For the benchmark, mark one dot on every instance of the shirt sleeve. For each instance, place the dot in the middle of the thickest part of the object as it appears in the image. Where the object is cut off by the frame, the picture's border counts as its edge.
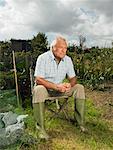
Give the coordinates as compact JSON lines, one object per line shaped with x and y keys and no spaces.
{"x":70,"y":71}
{"x":39,"y":69}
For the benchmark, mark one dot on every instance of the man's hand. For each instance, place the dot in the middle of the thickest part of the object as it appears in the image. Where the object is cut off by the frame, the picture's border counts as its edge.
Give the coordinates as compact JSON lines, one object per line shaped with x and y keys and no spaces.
{"x":61,"y":88}
{"x":67,"y":86}
{"x":64,"y":87}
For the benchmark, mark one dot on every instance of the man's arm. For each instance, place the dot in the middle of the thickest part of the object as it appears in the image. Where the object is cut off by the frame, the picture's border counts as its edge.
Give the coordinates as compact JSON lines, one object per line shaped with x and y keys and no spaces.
{"x":71,"y":73}
{"x":45,"y":83}
{"x":72,"y":81}
{"x":50,"y":85}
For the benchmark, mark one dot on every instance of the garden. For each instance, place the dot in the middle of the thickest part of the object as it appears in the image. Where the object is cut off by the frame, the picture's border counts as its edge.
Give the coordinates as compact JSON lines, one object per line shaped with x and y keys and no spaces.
{"x":94,"y":69}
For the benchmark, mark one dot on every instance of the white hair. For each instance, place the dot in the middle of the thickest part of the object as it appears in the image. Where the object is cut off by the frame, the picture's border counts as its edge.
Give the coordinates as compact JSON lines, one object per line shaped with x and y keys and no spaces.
{"x":54,"y":42}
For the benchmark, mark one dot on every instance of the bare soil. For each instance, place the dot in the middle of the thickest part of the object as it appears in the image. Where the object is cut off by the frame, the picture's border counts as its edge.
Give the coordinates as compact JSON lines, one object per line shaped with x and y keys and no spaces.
{"x":103,"y":99}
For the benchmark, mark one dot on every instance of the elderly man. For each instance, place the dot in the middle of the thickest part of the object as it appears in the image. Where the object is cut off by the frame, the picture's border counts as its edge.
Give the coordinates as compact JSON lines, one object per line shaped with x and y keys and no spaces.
{"x":51,"y":69}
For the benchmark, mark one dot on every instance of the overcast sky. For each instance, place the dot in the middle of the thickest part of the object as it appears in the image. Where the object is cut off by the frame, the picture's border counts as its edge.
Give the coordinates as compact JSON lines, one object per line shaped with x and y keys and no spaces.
{"x":23,"y":19}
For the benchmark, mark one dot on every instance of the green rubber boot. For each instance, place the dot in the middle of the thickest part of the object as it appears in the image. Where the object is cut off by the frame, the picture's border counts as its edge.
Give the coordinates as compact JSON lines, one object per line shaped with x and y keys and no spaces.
{"x":38,"y":109}
{"x":79,"y":113}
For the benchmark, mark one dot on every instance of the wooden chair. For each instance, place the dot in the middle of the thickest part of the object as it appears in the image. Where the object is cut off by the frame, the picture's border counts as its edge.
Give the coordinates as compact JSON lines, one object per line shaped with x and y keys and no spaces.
{"x":60,"y":107}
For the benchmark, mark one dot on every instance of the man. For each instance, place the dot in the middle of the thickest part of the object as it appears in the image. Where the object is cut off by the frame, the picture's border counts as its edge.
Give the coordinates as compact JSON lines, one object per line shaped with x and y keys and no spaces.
{"x":51,"y":69}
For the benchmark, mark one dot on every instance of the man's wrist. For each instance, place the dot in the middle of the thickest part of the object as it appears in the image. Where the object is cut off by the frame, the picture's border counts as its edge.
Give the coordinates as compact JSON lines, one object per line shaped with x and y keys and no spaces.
{"x":56,"y":87}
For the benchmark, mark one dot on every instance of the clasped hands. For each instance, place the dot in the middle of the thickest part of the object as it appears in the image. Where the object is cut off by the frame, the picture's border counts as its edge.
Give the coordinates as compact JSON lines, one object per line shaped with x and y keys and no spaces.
{"x":64,"y":87}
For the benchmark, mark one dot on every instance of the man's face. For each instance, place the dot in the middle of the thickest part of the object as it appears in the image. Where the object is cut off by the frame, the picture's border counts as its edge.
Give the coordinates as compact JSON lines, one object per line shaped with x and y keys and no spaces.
{"x":60,"y":49}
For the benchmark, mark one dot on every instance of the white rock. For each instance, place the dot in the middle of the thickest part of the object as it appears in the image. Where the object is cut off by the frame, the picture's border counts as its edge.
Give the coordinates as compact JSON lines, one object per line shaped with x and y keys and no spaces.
{"x":14,"y":127}
{"x":21,"y":117}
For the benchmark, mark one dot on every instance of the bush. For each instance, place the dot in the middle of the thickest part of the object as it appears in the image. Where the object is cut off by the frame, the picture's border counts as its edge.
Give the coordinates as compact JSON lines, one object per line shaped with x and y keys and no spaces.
{"x":7,"y":80}
{"x":95,"y":67}
{"x":1,"y":66}
{"x":7,"y":100}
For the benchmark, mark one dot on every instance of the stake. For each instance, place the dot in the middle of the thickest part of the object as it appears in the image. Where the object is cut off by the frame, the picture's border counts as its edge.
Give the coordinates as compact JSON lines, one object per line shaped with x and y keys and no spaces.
{"x":15,"y":72}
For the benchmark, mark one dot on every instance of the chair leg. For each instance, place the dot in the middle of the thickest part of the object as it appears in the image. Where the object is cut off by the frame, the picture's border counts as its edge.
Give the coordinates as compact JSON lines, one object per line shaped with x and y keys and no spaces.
{"x":61,"y":109}
{"x":57,"y":104}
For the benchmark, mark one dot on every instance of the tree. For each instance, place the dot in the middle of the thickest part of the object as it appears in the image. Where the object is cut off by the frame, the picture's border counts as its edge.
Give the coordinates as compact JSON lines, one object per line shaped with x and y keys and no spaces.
{"x":82,"y":40}
{"x":5,"y":55}
{"x":39,"y":43}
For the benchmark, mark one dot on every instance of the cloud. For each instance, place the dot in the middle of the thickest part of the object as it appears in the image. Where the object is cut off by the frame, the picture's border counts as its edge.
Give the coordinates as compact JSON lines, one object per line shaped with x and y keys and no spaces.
{"x":101,"y":6}
{"x":24,"y":18}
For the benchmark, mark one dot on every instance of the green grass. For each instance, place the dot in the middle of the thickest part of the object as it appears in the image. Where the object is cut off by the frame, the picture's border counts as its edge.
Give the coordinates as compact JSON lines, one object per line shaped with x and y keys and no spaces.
{"x":65,"y":136}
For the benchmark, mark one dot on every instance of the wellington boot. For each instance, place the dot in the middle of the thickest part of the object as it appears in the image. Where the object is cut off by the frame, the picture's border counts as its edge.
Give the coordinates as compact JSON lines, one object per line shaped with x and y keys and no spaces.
{"x":79,"y":113}
{"x":42,"y":133}
{"x":38,"y":109}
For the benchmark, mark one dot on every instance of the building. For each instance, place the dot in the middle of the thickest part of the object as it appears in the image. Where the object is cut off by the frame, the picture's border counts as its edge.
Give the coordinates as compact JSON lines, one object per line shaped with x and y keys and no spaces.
{"x":21,"y":45}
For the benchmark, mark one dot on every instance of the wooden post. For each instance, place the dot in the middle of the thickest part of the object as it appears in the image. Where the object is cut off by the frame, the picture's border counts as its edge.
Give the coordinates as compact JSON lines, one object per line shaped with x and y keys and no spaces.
{"x":16,"y":82}
{"x":31,"y":78}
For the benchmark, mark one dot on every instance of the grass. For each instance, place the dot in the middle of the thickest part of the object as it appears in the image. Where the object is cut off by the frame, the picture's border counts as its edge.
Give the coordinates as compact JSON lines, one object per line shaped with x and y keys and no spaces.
{"x":65,"y":136}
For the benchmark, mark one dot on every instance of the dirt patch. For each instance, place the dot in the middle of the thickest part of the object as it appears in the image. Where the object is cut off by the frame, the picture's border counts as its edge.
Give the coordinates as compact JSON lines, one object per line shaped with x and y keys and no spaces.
{"x":102,"y":100}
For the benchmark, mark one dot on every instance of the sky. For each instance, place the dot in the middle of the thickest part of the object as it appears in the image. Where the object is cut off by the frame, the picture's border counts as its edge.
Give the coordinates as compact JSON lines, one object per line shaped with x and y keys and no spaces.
{"x":24,"y":19}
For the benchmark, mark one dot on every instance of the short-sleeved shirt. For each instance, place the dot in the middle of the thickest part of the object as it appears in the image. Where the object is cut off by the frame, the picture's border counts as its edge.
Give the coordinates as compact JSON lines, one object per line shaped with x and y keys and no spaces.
{"x":47,"y":68}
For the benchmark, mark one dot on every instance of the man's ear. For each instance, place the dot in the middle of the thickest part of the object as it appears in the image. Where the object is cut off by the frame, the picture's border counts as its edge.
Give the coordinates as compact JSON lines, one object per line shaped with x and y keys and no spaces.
{"x":54,"y":48}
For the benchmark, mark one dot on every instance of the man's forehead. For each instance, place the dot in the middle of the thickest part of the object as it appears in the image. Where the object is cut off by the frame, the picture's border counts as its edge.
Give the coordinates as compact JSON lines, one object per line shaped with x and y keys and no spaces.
{"x":61,"y":42}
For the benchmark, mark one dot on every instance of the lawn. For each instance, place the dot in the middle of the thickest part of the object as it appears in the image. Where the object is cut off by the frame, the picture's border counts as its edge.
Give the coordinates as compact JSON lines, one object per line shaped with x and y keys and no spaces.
{"x":66,"y":136}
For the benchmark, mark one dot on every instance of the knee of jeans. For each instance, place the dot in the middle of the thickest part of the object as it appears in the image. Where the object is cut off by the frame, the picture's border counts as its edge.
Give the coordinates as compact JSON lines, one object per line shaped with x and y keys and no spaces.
{"x":40,"y":93}
{"x":80,"y":86}
{"x":39,"y":88}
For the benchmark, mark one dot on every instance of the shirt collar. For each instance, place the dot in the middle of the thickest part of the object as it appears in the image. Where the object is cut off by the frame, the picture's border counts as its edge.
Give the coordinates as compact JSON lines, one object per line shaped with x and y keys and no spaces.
{"x":53,"y":57}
